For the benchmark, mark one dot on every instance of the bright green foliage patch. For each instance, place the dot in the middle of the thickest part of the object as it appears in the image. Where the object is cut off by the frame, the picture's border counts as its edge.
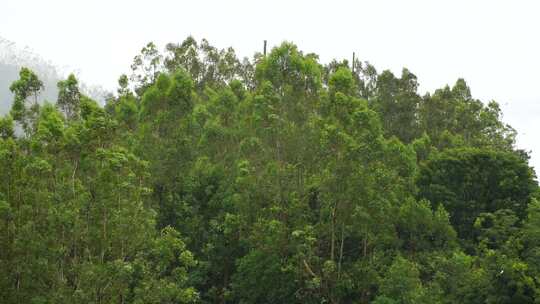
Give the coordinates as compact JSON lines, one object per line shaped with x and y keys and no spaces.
{"x":209,"y":179}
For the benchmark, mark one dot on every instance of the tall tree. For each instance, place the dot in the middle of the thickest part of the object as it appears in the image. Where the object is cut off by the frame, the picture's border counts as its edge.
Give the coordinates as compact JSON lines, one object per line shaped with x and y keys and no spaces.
{"x":25,"y":106}
{"x":69,"y":97}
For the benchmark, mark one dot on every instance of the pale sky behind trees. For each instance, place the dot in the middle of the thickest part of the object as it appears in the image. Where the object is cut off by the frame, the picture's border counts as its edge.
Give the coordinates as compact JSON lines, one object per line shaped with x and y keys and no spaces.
{"x":493,"y":45}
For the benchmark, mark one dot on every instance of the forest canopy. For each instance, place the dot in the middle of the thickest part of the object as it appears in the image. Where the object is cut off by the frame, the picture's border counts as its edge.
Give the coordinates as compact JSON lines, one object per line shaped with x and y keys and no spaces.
{"x":208,"y":178}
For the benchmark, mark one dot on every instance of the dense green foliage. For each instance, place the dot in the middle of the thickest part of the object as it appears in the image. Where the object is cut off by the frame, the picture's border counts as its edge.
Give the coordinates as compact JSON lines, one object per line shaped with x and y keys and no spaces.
{"x":208,"y":179}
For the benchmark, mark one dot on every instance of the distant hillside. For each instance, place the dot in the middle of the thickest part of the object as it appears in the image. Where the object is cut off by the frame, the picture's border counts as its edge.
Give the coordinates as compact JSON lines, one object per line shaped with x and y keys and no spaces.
{"x":13,"y":57}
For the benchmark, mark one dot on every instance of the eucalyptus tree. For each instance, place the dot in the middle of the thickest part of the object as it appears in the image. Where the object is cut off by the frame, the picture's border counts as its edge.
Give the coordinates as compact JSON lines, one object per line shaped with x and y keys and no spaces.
{"x":207,"y":179}
{"x":25,"y":106}
{"x":69,"y":97}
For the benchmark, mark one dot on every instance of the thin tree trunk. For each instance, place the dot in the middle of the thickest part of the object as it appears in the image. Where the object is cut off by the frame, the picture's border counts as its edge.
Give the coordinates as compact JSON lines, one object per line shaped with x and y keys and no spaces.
{"x":73,"y":176}
{"x":333,"y":229}
{"x":365,"y":243}
{"x":341,"y":250}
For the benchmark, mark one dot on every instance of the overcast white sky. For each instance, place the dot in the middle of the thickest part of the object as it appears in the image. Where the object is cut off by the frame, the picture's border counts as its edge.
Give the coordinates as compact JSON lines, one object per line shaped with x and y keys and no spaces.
{"x":494,"y":45}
